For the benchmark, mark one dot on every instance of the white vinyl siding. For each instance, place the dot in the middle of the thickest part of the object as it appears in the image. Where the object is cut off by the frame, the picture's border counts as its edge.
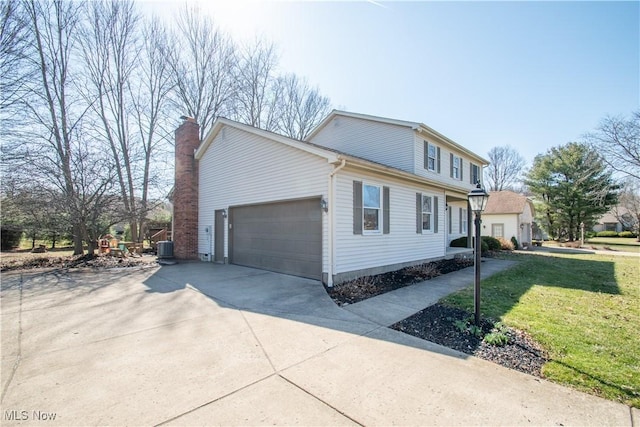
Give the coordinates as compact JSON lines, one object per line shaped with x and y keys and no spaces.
{"x":240,"y":168}
{"x":508,"y":222}
{"x":447,"y":153}
{"x":402,"y":244}
{"x":384,"y":143}
{"x":458,"y":224}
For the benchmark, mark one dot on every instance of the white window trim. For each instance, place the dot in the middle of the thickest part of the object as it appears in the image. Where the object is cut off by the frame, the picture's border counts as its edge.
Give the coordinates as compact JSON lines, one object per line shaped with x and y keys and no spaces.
{"x":430,"y":229}
{"x":494,"y":227}
{"x":379,"y":209}
{"x":456,"y":170}
{"x":463,"y":220}
{"x":435,"y":157}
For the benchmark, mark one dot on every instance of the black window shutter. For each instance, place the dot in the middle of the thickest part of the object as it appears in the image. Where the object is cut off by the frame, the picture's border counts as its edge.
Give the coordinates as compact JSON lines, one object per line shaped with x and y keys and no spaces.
{"x":426,"y":155}
{"x":470,"y":173}
{"x":357,"y":207}
{"x":461,"y":168}
{"x":451,"y":165}
{"x":461,"y":219}
{"x":418,"y":213}
{"x":438,"y":156}
{"x":435,"y":214}
{"x":385,"y":211}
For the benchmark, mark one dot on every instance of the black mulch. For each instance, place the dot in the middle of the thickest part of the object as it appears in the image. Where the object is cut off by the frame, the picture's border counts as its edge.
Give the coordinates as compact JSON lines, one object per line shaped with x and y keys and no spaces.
{"x":437,"y":323}
{"x":369,"y":286}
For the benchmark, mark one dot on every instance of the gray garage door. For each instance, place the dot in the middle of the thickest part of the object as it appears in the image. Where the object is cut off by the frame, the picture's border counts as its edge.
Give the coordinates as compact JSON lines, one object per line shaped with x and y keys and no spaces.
{"x":285,"y":237}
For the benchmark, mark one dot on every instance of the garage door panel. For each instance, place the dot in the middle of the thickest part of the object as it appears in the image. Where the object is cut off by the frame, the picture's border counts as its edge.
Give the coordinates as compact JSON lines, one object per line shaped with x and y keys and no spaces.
{"x":283,"y":236}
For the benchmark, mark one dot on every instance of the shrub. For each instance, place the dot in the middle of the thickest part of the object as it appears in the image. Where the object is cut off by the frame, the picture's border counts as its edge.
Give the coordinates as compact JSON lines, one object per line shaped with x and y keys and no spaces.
{"x":606,"y":234}
{"x":11,"y":235}
{"x":627,"y":234}
{"x":460,"y":242}
{"x":505,"y":244}
{"x":492,"y":243}
{"x":514,"y":241}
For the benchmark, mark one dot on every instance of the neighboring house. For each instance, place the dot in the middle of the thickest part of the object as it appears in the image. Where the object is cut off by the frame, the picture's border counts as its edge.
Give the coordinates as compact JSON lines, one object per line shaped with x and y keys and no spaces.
{"x":611,"y":220}
{"x":362,"y":195}
{"x":507,"y":215}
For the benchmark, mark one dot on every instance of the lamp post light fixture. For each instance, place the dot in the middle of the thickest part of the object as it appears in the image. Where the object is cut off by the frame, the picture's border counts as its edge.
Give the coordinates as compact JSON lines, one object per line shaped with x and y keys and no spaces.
{"x":478,"y":202}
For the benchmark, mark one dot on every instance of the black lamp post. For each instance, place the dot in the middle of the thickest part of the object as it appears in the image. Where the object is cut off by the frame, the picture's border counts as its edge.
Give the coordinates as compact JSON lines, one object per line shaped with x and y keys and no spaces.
{"x":478,"y":202}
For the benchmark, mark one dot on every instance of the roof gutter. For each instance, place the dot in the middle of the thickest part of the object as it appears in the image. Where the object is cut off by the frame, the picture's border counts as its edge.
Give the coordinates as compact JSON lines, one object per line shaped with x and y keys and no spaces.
{"x":399,"y":174}
{"x":426,"y":129}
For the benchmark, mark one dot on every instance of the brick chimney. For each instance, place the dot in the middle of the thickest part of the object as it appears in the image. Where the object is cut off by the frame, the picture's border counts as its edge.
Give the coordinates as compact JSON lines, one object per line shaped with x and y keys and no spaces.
{"x":185,"y":190}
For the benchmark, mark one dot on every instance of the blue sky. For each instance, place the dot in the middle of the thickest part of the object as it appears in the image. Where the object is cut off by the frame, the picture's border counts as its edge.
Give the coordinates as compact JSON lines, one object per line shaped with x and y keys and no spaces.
{"x":528,"y":74}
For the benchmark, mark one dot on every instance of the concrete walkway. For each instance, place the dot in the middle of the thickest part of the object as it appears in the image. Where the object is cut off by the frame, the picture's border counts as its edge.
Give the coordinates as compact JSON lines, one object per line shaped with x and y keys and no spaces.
{"x":392,"y":307}
{"x":205,"y":344}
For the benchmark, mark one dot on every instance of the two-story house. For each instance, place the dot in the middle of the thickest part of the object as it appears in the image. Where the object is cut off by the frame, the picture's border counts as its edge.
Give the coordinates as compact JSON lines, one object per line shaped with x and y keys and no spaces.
{"x":362,"y":195}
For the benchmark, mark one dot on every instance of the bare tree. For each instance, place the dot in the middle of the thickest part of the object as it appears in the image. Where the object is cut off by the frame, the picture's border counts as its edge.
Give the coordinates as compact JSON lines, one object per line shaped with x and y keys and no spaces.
{"x":203,"y":62}
{"x":617,"y":139}
{"x":301,"y":107}
{"x":50,"y":101}
{"x":254,"y":100}
{"x":150,"y":104}
{"x":505,"y":168}
{"x":13,"y":46}
{"x":111,"y":48}
{"x":628,"y":209}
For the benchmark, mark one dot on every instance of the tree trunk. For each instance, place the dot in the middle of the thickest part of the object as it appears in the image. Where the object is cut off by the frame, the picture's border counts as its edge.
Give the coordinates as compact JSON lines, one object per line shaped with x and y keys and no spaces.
{"x":77,"y":240}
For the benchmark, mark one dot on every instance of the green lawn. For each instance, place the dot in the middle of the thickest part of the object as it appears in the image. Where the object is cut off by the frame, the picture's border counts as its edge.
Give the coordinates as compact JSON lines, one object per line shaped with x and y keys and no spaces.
{"x":615,"y":244}
{"x":584,"y":310}
{"x":622,"y":244}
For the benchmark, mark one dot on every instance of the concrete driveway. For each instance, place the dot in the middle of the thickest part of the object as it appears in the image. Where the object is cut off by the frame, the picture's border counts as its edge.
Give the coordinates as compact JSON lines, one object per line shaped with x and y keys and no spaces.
{"x":206,"y":344}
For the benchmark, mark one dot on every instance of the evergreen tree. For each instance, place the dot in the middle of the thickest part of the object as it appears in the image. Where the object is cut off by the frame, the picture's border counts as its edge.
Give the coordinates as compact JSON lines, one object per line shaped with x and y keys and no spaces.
{"x":575,"y":187}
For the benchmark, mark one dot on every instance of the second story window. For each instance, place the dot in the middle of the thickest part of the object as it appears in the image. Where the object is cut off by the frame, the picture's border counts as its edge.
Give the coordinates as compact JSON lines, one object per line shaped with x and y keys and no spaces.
{"x":475,"y":174}
{"x":431,"y":157}
{"x":456,"y":163}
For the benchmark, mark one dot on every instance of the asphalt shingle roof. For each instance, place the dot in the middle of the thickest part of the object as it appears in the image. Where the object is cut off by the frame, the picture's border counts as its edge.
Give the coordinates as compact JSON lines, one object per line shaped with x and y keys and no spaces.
{"x":505,"y":202}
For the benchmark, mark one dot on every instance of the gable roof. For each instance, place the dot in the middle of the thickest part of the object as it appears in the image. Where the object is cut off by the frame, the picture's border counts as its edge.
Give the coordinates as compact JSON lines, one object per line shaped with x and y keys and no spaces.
{"x":331,"y":155}
{"x":613,"y":214}
{"x":416,"y":126}
{"x":506,"y":202}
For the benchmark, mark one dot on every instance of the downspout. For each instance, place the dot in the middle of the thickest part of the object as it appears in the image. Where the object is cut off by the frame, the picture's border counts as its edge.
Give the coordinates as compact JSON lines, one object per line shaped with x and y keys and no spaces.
{"x":331,"y":213}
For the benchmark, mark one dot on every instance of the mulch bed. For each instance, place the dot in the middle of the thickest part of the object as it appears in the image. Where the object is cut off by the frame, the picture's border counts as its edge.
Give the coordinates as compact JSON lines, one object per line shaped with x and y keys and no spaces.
{"x":77,"y":261}
{"x":443,"y":324}
{"x":366,"y":287}
{"x":437,"y":323}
